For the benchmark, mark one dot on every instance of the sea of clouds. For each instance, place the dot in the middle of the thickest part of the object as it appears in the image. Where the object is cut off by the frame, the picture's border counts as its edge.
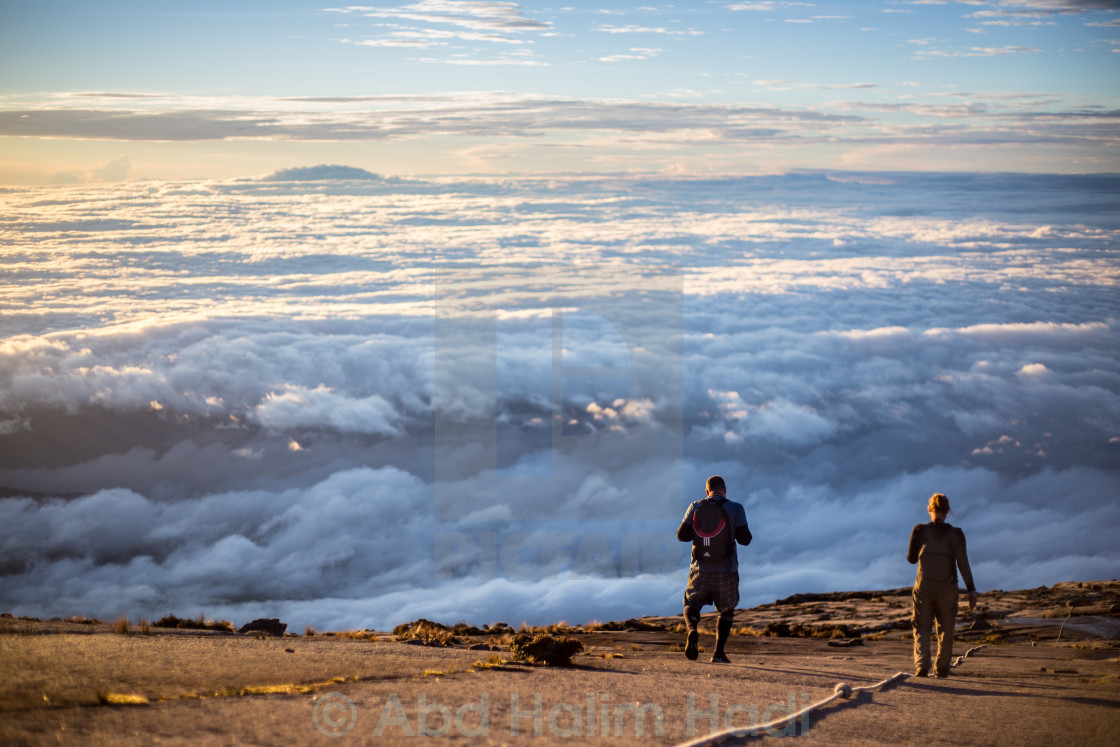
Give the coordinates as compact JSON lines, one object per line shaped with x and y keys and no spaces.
{"x":350,"y":401}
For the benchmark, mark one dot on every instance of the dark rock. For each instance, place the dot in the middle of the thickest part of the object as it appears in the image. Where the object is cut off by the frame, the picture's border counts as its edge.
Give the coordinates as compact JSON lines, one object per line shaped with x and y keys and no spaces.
{"x":842,"y":596}
{"x":630,"y":626}
{"x":846,"y":643}
{"x":978,"y":624}
{"x":269,"y":625}
{"x":480,"y":647}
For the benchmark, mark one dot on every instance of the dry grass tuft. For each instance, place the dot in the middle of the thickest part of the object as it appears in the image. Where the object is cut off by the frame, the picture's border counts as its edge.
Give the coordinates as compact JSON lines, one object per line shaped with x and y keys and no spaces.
{"x":495,"y":661}
{"x":544,"y":649}
{"x":560,"y":628}
{"x":121,"y":626}
{"x":783,"y":629}
{"x":120,"y":699}
{"x":426,"y":632}
{"x":285,"y":689}
{"x":437,"y":672}
{"x":309,"y":631}
{"x":11,"y":626}
{"x":145,"y":627}
{"x":360,"y":634}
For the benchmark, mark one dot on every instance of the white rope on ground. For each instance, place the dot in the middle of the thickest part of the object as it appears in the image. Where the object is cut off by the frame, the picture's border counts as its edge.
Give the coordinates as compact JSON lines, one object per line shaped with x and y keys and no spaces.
{"x":842,"y":691}
{"x":1064,"y":622}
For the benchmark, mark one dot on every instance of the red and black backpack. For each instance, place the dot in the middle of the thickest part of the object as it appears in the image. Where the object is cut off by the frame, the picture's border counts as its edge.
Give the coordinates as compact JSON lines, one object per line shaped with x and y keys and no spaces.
{"x":713,"y":536}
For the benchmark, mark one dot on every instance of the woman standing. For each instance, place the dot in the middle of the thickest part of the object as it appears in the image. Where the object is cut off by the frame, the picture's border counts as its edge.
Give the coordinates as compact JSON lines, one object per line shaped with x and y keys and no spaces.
{"x":938,"y":549}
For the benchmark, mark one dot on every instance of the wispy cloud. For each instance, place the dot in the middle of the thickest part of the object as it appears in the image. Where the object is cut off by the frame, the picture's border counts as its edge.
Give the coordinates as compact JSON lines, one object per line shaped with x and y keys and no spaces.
{"x":525,"y":61}
{"x":635,"y":54}
{"x":470,"y":14}
{"x":469,"y":21}
{"x":523,"y":120}
{"x":1041,"y":8}
{"x":648,"y":30}
{"x":767,"y":5}
{"x":502,"y":116}
{"x":786,"y":85}
{"x":927,"y":49}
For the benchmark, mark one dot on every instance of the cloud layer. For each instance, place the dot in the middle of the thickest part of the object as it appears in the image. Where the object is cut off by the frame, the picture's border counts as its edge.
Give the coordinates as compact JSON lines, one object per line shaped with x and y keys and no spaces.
{"x":357,"y":401}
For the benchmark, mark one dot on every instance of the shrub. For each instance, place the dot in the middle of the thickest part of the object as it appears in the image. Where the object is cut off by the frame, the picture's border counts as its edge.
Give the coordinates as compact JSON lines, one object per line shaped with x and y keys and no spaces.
{"x":783,"y":629}
{"x":427,"y":632}
{"x":121,"y":626}
{"x":544,"y":649}
{"x":361,"y":634}
{"x":198,"y":623}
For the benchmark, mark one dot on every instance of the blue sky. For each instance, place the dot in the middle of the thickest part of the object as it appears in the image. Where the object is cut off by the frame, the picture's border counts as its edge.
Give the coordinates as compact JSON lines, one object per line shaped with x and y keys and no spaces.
{"x":578,"y":49}
{"x":209,"y":89}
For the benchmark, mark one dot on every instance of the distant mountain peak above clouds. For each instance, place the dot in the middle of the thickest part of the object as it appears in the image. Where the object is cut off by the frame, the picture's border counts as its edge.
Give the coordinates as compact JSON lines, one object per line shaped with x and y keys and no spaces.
{"x":322,"y":172}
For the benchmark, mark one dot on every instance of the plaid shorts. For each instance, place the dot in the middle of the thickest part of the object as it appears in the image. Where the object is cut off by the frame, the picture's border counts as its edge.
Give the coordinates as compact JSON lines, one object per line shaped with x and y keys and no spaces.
{"x":707,"y":587}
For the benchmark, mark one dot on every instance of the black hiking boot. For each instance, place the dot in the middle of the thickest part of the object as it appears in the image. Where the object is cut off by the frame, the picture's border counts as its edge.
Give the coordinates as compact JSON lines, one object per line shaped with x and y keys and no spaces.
{"x":723,"y":629}
{"x":691,"y":651}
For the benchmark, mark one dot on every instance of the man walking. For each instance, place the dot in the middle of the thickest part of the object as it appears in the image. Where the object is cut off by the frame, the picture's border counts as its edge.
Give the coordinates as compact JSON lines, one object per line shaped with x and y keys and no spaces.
{"x":713,"y":525}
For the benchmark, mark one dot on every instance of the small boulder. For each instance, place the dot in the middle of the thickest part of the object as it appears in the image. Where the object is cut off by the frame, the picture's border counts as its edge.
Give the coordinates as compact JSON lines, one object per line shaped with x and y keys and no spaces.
{"x":269,"y":625}
{"x":847,"y":643}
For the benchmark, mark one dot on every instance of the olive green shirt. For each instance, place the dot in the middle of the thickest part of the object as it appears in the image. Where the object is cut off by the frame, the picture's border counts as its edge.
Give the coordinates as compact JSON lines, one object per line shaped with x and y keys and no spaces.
{"x":946,"y":541}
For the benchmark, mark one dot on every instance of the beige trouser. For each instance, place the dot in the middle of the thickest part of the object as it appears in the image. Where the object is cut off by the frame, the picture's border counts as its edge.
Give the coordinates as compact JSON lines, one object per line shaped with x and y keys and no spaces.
{"x":934,"y":601}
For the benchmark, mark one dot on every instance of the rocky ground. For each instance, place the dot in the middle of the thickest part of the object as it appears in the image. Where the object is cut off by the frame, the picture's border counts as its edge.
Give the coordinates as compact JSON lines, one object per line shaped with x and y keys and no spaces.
{"x":1049,"y":672}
